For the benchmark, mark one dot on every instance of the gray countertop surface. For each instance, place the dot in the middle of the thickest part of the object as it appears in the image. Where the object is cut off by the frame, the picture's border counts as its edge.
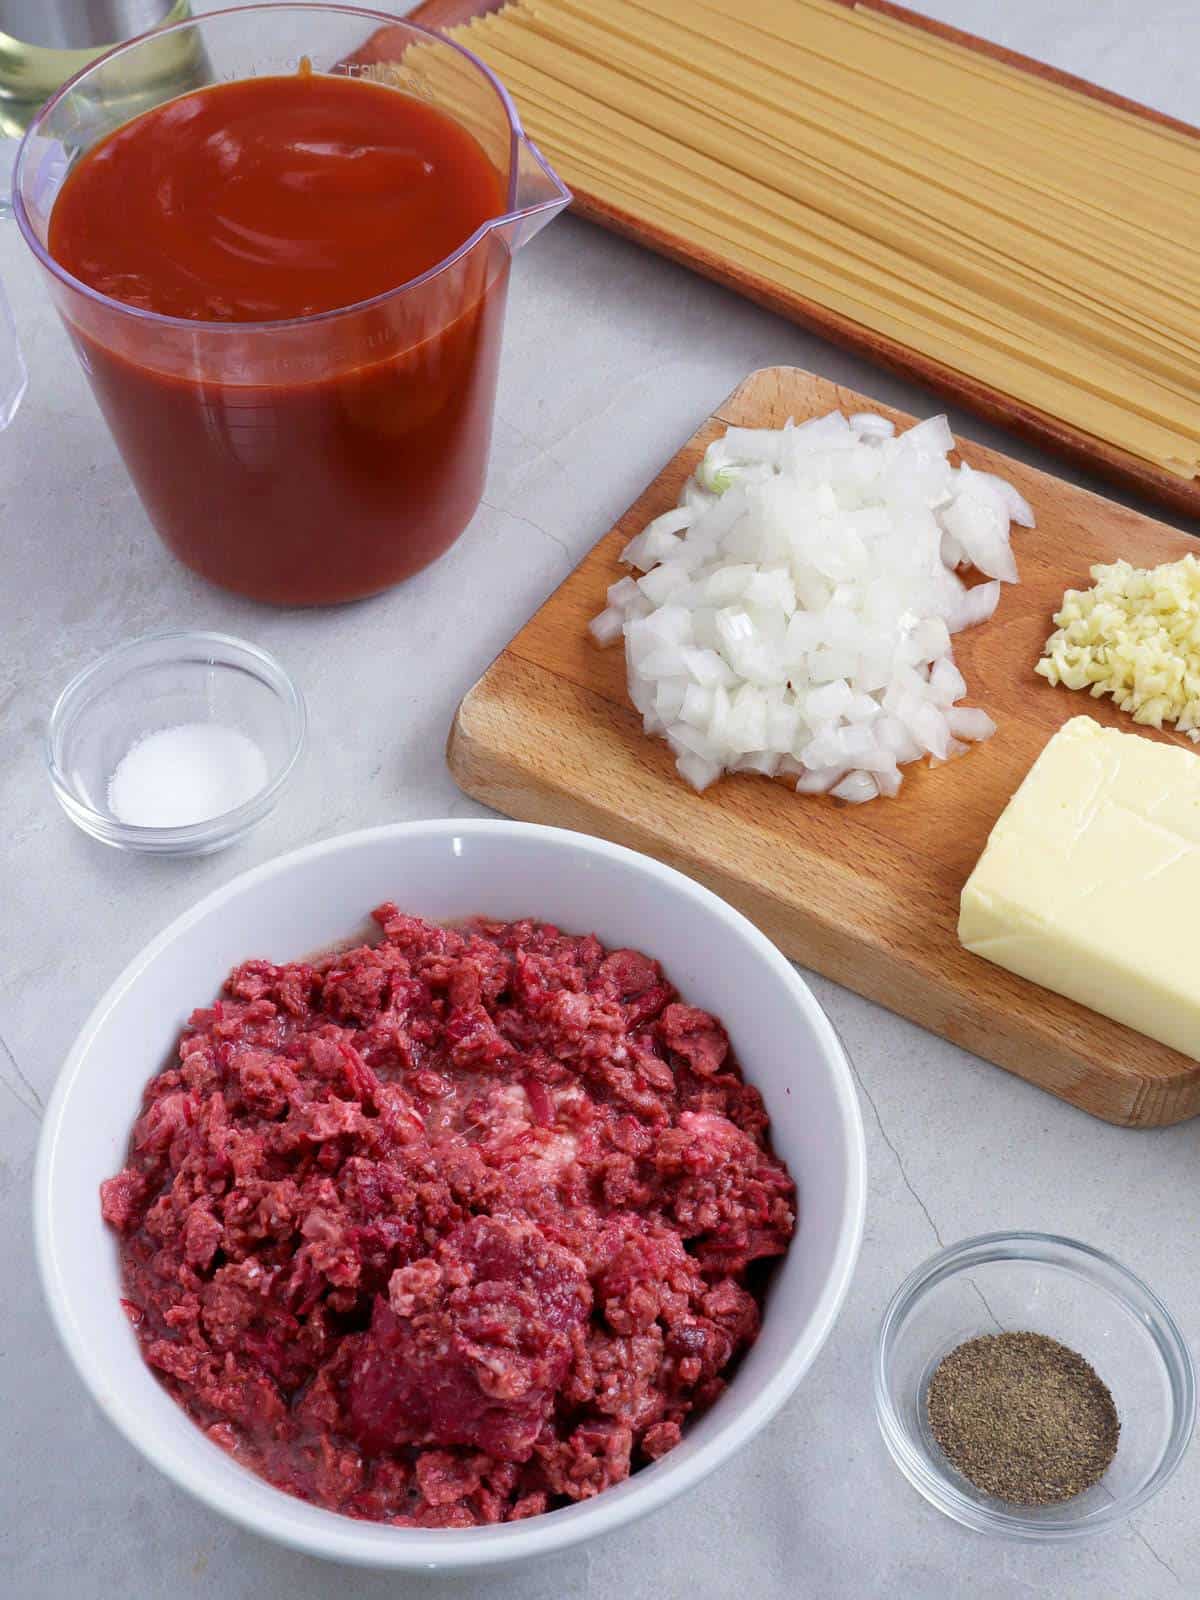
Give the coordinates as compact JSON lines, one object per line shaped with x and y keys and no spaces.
{"x":612,"y":358}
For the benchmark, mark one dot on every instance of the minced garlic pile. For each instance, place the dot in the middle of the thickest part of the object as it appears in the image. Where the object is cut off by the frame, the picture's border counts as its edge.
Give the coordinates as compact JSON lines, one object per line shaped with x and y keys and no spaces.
{"x":1136,"y":636}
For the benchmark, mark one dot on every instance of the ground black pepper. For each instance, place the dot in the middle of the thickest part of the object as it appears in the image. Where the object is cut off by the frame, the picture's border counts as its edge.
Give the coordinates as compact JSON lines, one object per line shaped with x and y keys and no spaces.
{"x":1023,"y":1417}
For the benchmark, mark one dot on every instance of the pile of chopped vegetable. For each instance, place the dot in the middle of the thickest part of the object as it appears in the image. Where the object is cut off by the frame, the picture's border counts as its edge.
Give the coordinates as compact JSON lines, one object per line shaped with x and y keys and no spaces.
{"x":796,"y":609}
{"x":1135,"y":635}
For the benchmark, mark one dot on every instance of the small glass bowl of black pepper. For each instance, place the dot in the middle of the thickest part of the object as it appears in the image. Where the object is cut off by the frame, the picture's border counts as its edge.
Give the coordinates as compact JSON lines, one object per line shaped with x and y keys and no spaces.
{"x":1060,"y":1290}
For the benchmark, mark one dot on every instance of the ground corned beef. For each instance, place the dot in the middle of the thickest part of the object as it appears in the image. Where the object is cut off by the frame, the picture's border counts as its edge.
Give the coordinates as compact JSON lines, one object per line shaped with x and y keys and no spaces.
{"x":451,"y":1229}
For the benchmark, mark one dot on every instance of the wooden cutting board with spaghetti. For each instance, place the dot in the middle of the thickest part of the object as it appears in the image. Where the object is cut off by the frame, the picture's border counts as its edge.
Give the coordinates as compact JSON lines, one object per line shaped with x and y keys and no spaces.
{"x":1018,"y":239}
{"x":867,"y":895}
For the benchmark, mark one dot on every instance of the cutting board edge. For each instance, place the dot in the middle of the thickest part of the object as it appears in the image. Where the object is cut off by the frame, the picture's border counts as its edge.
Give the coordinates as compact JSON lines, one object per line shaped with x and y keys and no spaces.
{"x":1123,"y":1098}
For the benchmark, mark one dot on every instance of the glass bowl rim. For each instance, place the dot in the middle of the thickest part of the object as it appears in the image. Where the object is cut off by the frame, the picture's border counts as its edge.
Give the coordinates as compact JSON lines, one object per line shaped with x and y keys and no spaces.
{"x":1102,"y":1271}
{"x":270,"y":671}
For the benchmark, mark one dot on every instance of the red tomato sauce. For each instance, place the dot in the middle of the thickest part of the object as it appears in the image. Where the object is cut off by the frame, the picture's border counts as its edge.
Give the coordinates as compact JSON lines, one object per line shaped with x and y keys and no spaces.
{"x":316,"y":463}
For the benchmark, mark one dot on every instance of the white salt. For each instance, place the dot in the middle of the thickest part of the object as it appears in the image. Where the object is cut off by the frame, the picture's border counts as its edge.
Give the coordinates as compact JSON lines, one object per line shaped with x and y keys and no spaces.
{"x":185,"y":774}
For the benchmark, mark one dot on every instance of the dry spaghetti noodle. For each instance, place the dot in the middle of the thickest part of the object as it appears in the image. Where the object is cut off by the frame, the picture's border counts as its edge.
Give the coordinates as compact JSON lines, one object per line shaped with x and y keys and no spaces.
{"x":1039,"y":241}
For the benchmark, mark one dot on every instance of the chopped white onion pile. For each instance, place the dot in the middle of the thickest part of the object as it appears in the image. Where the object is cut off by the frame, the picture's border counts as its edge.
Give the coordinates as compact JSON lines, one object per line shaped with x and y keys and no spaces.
{"x":795,"y":610}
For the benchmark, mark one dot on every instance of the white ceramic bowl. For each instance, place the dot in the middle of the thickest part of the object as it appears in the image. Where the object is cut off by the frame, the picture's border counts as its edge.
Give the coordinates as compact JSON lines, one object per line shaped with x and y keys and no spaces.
{"x":444,"y":870}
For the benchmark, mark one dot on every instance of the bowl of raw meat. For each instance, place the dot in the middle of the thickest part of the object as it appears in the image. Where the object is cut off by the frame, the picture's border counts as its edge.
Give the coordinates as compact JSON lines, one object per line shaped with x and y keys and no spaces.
{"x":446,"y":1194}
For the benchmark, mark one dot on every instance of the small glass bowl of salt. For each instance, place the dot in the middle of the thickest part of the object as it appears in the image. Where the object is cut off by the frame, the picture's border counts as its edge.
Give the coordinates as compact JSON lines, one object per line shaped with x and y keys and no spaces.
{"x":175,"y":744}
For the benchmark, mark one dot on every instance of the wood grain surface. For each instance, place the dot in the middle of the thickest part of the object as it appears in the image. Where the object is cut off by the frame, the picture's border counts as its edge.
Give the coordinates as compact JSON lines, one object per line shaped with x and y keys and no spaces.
{"x":1107,"y":460}
{"x":867,"y":895}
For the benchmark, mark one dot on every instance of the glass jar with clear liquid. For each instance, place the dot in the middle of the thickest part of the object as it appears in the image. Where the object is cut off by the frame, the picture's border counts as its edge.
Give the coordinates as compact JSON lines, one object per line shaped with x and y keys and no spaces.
{"x":45,"y":42}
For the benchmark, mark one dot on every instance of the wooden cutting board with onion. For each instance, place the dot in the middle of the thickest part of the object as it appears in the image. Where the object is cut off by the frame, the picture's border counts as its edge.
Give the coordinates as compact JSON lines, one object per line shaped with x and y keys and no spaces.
{"x":859,"y":875}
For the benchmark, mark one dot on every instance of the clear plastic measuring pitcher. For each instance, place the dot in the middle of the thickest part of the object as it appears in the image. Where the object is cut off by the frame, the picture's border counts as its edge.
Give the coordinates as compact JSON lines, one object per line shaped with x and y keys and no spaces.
{"x":325,"y":457}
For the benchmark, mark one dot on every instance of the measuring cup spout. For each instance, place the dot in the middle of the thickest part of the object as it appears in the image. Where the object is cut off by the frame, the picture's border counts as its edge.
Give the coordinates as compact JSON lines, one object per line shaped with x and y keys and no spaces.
{"x":539,"y":195}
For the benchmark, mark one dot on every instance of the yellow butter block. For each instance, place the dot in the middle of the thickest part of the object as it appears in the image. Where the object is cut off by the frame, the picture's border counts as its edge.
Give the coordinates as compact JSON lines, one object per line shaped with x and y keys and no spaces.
{"x":1090,"y":881}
